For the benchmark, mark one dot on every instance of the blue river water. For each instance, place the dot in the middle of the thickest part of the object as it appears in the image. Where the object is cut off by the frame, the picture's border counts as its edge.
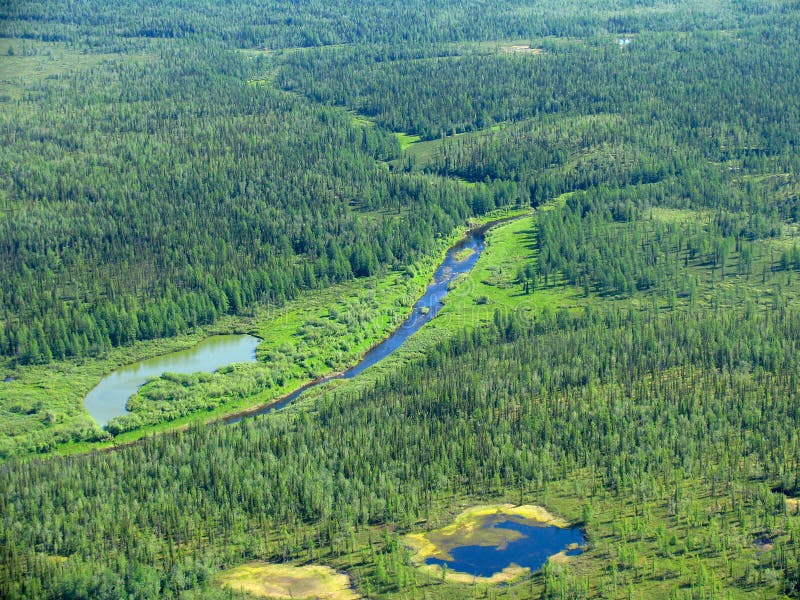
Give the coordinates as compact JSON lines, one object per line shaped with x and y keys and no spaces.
{"x":537,"y":544}
{"x":424,"y":310}
{"x":109,"y":398}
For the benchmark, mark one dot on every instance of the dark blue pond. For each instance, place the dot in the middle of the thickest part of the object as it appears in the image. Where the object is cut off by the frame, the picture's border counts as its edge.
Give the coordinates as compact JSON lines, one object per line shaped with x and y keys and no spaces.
{"x":424,"y":310}
{"x":537,"y":544}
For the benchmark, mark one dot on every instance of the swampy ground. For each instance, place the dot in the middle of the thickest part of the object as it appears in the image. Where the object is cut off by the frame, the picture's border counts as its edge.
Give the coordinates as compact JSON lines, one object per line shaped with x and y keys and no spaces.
{"x":477,"y":528}
{"x":285,"y":581}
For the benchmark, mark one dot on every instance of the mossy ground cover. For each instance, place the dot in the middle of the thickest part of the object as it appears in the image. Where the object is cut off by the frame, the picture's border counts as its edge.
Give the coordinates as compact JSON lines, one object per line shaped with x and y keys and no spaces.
{"x":286,"y":581}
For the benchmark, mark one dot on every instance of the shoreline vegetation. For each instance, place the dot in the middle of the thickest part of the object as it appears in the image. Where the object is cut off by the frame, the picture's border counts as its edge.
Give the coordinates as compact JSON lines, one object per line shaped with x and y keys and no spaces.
{"x":371,"y":309}
{"x":467,"y":530}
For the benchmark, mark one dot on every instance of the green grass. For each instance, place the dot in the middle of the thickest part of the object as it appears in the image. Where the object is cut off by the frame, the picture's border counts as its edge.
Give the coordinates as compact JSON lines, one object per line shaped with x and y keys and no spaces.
{"x":422,"y":152}
{"x":406,"y":139}
{"x":493,"y":279}
{"x":328,"y":330}
{"x":493,"y":285}
{"x":323,"y":332}
{"x":25,"y":63}
{"x":676,"y":215}
{"x":301,"y":341}
{"x":43,"y":406}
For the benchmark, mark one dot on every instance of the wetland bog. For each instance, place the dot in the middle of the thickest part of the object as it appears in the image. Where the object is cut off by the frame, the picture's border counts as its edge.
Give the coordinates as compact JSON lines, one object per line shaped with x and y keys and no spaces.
{"x":495,"y":543}
{"x":286,"y":581}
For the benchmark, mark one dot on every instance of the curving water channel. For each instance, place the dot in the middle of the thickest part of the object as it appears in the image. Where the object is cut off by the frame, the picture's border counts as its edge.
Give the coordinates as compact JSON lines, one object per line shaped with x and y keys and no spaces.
{"x":460,"y":259}
{"x":110,"y":397}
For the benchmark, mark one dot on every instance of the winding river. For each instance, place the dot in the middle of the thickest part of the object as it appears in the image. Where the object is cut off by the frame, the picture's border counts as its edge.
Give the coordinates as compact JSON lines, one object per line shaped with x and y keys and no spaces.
{"x":109,"y":398}
{"x":460,"y":259}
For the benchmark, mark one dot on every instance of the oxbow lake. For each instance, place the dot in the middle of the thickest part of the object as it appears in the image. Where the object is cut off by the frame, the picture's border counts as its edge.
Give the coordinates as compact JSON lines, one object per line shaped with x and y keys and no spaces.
{"x":109,"y":398}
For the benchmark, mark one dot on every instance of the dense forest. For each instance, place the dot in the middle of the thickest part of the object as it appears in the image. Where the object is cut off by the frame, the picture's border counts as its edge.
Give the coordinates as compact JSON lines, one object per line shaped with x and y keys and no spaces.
{"x":630,"y":403}
{"x":626,"y":354}
{"x":270,"y":196}
{"x":309,"y":23}
{"x":699,"y":91}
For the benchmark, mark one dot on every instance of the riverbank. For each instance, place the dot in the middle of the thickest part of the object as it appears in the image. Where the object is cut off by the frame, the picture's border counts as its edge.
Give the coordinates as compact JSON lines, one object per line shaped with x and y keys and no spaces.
{"x":455,"y":265}
{"x":491,"y":286}
{"x":321,"y":333}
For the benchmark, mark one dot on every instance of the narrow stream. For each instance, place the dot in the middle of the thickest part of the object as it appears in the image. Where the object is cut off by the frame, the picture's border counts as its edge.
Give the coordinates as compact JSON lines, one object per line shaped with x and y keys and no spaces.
{"x":109,"y":398}
{"x":469,"y":250}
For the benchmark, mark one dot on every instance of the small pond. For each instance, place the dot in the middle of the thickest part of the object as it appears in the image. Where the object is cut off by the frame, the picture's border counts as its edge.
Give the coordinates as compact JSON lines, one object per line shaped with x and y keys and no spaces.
{"x":495,"y":543}
{"x":110,"y":397}
{"x":528,"y":544}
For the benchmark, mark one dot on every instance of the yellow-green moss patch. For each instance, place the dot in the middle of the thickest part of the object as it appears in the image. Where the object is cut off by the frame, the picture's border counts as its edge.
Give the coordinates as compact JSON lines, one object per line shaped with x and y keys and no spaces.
{"x":287,"y":581}
{"x":406,"y":139}
{"x":464,"y":254}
